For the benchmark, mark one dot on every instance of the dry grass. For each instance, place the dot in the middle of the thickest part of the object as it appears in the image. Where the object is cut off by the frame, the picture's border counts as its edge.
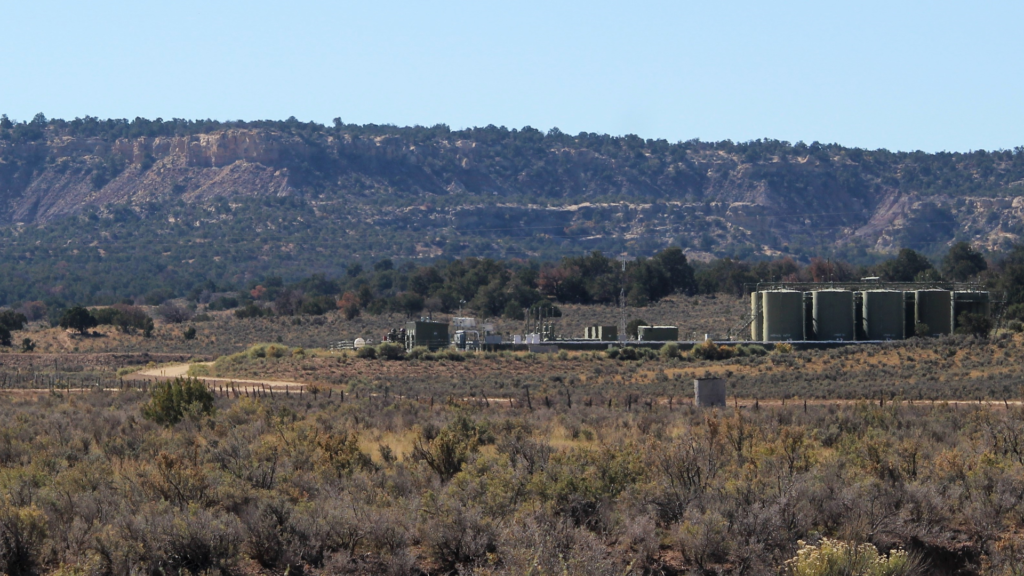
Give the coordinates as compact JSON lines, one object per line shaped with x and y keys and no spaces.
{"x":225,"y":334}
{"x":958,"y":368}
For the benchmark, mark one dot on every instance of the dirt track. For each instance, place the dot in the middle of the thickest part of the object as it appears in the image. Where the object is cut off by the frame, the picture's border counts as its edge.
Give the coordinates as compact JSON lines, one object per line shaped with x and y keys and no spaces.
{"x":172,"y":371}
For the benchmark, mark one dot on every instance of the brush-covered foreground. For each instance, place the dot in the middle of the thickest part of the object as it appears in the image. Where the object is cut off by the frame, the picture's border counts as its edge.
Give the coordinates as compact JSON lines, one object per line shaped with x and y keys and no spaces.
{"x":382,"y":485}
{"x":950,"y":368}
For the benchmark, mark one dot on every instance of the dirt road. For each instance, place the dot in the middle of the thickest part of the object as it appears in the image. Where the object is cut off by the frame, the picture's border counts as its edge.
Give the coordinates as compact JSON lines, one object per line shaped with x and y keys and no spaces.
{"x":171,"y":371}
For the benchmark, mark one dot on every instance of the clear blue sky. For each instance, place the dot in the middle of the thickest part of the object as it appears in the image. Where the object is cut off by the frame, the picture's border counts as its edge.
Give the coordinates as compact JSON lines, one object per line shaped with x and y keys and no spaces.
{"x":901,"y":75}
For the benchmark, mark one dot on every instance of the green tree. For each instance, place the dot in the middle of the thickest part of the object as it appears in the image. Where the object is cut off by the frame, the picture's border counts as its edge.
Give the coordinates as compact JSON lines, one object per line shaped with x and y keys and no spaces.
{"x":904,"y":267}
{"x":78,"y":318}
{"x":12,"y":320}
{"x":963,"y":262}
{"x":1011,"y":275}
{"x":170,"y":401}
{"x":679,"y":272}
{"x":633,"y":326}
{"x":974,"y":324}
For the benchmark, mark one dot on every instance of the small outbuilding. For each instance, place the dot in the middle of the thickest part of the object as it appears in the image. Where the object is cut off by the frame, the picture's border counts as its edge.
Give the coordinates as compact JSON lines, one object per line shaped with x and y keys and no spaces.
{"x":424,"y":332}
{"x":657,"y":333}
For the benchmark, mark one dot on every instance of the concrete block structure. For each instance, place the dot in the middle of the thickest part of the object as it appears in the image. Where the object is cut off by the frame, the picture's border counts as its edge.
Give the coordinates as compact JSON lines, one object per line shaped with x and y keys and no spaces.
{"x":603,"y":333}
{"x":657,"y":333}
{"x":709,"y":392}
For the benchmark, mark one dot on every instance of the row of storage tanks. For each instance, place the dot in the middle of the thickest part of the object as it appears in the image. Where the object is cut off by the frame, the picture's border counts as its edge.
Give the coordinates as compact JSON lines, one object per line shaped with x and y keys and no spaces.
{"x":781,"y":315}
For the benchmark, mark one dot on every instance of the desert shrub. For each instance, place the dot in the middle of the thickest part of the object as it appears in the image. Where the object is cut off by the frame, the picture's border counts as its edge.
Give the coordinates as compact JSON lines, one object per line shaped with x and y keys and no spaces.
{"x":367,"y":352}
{"x":1016,"y":326}
{"x":197,"y":541}
{"x":391,"y":351}
{"x":629,"y":353}
{"x":22,"y":533}
{"x":223,"y":303}
{"x":703,"y":539}
{"x":277,"y":351}
{"x":783,"y":348}
{"x":750,"y":350}
{"x":197,"y":370}
{"x":547,"y":545}
{"x":632,"y":353}
{"x":974,"y":324}
{"x":189,"y":333}
{"x":669,"y":351}
{"x":450,"y":354}
{"x":318,"y":529}
{"x":251,"y":310}
{"x":836,"y":558}
{"x":446,"y":452}
{"x":256,"y":351}
{"x":171,"y":401}
{"x":340,"y":453}
{"x":420,"y":353}
{"x":456,"y":534}
{"x":265,"y":524}
{"x":708,"y":350}
{"x":174,"y":314}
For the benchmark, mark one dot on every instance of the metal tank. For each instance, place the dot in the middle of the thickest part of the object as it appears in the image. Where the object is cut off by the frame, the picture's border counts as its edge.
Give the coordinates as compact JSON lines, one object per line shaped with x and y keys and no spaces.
{"x":783,"y":315}
{"x":972,"y":303}
{"x":809,"y":334}
{"x":935,"y":309}
{"x":832,"y":313}
{"x":883,"y":314}
{"x":757,"y":314}
{"x":858,"y":316}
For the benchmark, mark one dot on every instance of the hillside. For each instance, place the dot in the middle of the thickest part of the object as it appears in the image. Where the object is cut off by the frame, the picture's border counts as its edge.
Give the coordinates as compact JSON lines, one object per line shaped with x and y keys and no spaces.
{"x":191,"y":201}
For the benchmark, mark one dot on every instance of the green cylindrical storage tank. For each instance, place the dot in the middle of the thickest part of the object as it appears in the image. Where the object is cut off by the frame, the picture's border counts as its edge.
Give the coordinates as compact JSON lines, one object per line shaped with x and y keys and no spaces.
{"x":858,"y":316}
{"x":935,"y":309}
{"x":783,"y":315}
{"x":883,"y":315}
{"x":971,"y":302}
{"x":833,"y":314}
{"x":757,"y":315}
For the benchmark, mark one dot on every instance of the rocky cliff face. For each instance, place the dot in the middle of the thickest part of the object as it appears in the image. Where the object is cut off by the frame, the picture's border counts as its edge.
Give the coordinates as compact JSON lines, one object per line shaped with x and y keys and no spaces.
{"x":79,"y":174}
{"x":708,"y":198}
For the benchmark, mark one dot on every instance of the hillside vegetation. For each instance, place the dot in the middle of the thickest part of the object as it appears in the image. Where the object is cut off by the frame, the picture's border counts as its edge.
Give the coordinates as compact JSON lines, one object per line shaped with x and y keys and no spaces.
{"x":185,"y":202}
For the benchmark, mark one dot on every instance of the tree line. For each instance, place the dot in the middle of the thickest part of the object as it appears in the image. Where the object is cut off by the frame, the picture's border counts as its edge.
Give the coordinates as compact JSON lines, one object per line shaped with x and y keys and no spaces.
{"x":508,"y":289}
